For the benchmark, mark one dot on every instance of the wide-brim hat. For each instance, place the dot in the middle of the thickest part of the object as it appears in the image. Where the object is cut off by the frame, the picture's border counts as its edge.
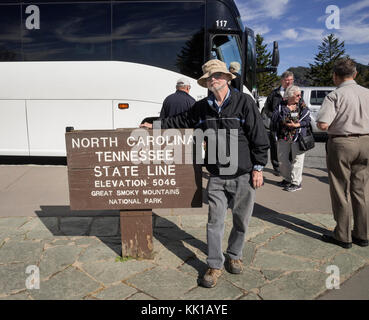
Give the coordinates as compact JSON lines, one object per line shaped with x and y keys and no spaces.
{"x":211,"y":67}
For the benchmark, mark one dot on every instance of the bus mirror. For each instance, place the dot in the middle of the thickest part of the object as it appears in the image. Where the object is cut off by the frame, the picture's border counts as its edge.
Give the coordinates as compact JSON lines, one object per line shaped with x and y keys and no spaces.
{"x":275,"y":58}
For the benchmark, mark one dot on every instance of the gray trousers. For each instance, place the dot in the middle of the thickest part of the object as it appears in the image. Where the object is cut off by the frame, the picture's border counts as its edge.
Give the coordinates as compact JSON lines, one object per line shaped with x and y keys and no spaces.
{"x":348,"y":171}
{"x":237,"y":194}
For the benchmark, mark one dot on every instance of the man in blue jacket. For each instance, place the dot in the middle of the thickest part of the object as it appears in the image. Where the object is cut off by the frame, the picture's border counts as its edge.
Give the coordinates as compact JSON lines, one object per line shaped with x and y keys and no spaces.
{"x":273,"y":101}
{"x":235,"y":114}
{"x":179,"y":101}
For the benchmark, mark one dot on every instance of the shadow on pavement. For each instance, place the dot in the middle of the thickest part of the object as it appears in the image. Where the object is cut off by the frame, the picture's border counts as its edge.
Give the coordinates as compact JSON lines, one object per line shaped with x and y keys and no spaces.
{"x":169,"y":234}
{"x":81,"y":225}
{"x":268,"y":181}
{"x":284,"y":220}
{"x":323,"y":179}
{"x":24,"y":160}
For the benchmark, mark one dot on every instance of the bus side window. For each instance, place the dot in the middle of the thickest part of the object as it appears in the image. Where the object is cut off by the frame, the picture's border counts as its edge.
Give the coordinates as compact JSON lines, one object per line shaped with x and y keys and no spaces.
{"x":10,"y":35}
{"x":168,"y":35}
{"x":67,"y":32}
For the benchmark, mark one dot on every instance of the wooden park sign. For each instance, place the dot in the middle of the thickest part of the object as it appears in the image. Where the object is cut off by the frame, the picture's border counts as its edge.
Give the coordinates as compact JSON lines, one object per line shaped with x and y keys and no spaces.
{"x":132,"y":170}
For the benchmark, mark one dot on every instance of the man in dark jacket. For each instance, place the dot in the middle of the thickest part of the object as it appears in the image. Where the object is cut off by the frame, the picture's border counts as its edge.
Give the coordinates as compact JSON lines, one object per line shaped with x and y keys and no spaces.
{"x":235,"y":67}
{"x":235,"y":115}
{"x":273,"y":101}
{"x":179,"y":101}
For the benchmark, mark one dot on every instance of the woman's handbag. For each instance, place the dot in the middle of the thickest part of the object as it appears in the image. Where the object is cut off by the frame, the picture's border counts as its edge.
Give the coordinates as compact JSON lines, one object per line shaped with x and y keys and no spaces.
{"x":306,"y":143}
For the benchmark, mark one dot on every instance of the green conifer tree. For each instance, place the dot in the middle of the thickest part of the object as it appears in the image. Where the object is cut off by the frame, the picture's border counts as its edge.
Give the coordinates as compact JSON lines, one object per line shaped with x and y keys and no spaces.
{"x":330,"y":50}
{"x":266,"y":81}
{"x":362,"y":77}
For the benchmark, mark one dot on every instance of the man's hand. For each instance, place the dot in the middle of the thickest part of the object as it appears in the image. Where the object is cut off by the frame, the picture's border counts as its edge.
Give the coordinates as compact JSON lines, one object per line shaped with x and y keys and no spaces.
{"x":322,"y":125}
{"x":146,"y":125}
{"x":257,"y":179}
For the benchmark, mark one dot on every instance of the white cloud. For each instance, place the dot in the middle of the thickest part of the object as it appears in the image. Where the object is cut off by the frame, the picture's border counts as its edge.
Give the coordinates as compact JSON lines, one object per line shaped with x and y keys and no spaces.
{"x":354,"y":8}
{"x":311,"y":34}
{"x":353,"y":34}
{"x":261,"y":29}
{"x":297,"y":35}
{"x":260,"y":9}
{"x":290,"y":34}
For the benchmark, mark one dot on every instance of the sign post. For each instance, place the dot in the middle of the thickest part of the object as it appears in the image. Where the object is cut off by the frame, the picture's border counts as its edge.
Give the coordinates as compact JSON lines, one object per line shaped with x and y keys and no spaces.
{"x":136,"y":233}
{"x":134,"y":171}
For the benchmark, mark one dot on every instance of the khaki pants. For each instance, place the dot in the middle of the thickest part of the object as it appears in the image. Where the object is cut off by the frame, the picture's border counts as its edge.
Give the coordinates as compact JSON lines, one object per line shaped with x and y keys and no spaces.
{"x":348,"y":171}
{"x":290,"y":171}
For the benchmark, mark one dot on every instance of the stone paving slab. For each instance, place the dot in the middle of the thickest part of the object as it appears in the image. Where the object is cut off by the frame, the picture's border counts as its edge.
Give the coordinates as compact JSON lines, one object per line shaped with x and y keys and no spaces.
{"x":266,"y":259}
{"x":163,"y":283}
{"x":295,"y":286}
{"x":116,"y":292}
{"x":68,"y":284}
{"x":224,"y":290}
{"x":140,"y":296}
{"x":21,"y":251}
{"x":108,"y":272}
{"x":12,"y":278}
{"x":248,"y":280}
{"x":79,"y":258}
{"x":300,"y":246}
{"x":58,"y":258}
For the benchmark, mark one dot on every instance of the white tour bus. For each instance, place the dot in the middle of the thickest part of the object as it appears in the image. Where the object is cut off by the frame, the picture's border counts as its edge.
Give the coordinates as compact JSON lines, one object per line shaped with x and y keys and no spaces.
{"x":105,"y":64}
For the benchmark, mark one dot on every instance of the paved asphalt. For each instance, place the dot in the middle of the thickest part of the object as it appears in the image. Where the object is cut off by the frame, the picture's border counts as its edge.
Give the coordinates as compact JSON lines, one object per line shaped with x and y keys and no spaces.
{"x":77,"y":253}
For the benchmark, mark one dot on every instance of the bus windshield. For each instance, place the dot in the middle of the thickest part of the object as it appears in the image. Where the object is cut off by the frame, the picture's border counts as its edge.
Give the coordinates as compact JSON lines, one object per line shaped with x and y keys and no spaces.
{"x":226,"y":48}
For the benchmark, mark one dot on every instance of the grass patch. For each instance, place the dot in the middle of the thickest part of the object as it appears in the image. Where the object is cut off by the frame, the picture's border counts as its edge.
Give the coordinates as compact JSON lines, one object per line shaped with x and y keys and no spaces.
{"x":123,"y":259}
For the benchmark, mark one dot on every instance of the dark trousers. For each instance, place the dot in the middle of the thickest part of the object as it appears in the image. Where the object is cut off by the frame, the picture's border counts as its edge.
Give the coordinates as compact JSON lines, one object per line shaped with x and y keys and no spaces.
{"x":273,"y":151}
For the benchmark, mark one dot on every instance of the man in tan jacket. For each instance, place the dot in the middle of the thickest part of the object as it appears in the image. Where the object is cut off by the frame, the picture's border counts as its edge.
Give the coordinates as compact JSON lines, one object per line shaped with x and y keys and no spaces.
{"x":345,"y":114}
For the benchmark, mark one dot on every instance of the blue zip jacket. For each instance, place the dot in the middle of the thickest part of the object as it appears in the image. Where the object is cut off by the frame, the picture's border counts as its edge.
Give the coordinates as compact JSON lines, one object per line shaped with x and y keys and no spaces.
{"x":239,"y":112}
{"x":280,"y":114}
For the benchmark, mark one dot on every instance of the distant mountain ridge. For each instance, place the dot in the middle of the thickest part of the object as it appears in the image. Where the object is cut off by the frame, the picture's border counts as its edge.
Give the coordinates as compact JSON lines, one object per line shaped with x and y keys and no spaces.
{"x":301,"y":79}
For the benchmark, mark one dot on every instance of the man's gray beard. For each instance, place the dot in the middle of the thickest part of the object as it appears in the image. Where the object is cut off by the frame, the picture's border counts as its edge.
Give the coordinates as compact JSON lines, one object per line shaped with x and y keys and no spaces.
{"x":214,"y":89}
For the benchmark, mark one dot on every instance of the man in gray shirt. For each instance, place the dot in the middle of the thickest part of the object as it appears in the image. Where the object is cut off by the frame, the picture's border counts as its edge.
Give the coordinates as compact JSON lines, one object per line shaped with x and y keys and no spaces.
{"x":345,"y":114}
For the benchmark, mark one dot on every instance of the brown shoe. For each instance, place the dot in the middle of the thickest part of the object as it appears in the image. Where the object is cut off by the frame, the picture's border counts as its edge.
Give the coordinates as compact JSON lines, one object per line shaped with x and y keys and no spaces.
{"x":211,"y":277}
{"x":235,"y":266}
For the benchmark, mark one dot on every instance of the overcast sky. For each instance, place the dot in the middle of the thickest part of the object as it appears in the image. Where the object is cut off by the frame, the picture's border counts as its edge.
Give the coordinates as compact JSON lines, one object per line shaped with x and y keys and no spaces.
{"x":300,"y":25}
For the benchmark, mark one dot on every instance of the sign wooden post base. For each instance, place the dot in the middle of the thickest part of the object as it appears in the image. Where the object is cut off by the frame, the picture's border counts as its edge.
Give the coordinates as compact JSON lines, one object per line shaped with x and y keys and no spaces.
{"x":136,"y":232}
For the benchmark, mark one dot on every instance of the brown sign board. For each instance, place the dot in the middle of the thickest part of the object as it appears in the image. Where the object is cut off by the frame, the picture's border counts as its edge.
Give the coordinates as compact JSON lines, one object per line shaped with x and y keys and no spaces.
{"x":129,"y":169}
